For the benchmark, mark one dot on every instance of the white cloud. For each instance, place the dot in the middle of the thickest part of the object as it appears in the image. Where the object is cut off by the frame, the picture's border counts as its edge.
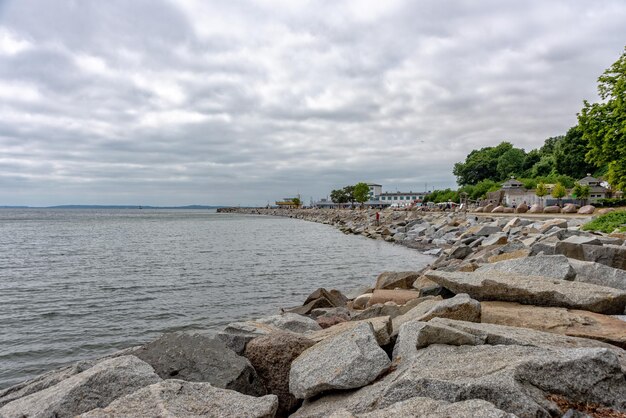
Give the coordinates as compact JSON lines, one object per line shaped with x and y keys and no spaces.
{"x":187,"y":101}
{"x":11,"y":43}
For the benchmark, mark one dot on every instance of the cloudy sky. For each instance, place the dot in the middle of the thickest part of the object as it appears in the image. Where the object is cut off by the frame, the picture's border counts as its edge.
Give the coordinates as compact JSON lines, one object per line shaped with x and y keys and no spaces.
{"x":160,"y":102}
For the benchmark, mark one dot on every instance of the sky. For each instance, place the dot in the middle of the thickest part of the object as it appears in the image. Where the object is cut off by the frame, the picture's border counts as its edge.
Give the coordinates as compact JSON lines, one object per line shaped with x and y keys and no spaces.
{"x":159,"y":102}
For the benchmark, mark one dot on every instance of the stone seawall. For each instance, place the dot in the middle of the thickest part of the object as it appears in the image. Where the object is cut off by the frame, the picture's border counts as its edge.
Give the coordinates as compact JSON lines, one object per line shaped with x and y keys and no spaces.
{"x":515,"y":317}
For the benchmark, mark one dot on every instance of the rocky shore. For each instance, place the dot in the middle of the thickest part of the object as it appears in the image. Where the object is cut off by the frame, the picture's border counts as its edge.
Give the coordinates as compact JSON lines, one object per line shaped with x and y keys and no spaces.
{"x":515,"y":316}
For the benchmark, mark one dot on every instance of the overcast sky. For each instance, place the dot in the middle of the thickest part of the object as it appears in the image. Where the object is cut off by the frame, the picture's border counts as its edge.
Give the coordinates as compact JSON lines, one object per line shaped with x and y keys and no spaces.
{"x":244,"y":102}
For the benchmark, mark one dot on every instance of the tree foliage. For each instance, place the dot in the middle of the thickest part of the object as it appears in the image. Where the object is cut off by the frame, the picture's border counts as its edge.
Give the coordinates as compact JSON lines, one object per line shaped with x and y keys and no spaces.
{"x":603,"y":124}
{"x":361,"y":192}
{"x":439,"y":196}
{"x":569,"y":155}
{"x":558,"y":192}
{"x":542,"y":190}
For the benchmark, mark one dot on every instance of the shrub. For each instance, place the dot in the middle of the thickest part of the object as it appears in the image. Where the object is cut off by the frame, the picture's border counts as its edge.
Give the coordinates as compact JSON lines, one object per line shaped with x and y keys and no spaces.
{"x":608,"y":222}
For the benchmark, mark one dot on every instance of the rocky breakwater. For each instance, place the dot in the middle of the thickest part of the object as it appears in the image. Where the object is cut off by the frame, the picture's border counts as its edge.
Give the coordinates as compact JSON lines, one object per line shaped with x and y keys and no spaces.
{"x":514,"y":318}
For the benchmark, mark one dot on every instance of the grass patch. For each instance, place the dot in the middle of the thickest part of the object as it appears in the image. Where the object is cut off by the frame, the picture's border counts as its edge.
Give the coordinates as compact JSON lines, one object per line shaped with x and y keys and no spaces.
{"x":608,"y":222}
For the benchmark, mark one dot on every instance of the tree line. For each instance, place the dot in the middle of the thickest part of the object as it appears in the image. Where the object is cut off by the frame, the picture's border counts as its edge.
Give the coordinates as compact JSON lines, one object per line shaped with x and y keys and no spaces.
{"x":596,"y":145}
{"x":350,"y":194}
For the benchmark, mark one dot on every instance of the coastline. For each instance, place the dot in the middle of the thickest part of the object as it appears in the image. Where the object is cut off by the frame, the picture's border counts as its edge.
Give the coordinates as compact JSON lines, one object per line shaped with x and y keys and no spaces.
{"x":509,"y":292}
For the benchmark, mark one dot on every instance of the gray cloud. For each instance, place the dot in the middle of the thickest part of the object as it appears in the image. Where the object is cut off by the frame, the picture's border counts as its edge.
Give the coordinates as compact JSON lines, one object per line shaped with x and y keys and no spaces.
{"x":244,"y":102}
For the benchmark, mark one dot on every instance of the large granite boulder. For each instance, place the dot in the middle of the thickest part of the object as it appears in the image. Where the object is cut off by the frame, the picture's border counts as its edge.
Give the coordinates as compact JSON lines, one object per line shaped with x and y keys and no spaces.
{"x":536,"y":208}
{"x":396,"y":279}
{"x":53,"y":377}
{"x":532,"y":290}
{"x":460,"y":307}
{"x":516,"y":379}
{"x":569,"y":208}
{"x":498,"y":209}
{"x":348,"y":360}
{"x":414,"y":335}
{"x":522,"y":208}
{"x":553,"y":266}
{"x":495,"y":334}
{"x":380,"y":325}
{"x":482,"y":230}
{"x":596,"y":273}
{"x":570,"y":322}
{"x":271,"y":357}
{"x":182,"y":399}
{"x":237,"y":334}
{"x":609,"y":255}
{"x":552,"y":223}
{"x":290,"y":322}
{"x":321,"y":298}
{"x":552,"y":209}
{"x":96,"y":387}
{"x":42,"y":382}
{"x":420,"y":407}
{"x":199,"y":358}
{"x":398,"y":296}
{"x":587,"y":210}
{"x":489,"y":208}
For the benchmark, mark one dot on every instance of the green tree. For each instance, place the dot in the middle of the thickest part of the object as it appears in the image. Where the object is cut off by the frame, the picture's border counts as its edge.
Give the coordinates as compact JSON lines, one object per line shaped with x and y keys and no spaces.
{"x":296,"y":201}
{"x":349,"y":192}
{"x":361,"y":193}
{"x":541,"y":191}
{"x":569,"y":155}
{"x":481,"y":164}
{"x":603,"y":124}
{"x":558,"y":192}
{"x":339,"y":196}
{"x":511,"y":163}
{"x":544,"y":167}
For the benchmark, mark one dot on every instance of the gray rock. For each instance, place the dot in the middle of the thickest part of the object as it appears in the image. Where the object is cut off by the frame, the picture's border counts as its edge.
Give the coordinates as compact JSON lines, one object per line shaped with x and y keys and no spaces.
{"x":291,"y":322}
{"x":515,"y":378}
{"x":434,"y":251}
{"x":532,"y":290}
{"x":181,"y":399}
{"x":199,"y":358}
{"x":420,"y":407}
{"x":543,"y":248}
{"x":396,"y":279}
{"x":414,"y":335}
{"x":583,"y":239}
{"x":381,"y":326}
{"x":237,"y":334}
{"x":53,"y":377}
{"x":485,"y":230}
{"x":610,"y":255}
{"x":460,"y":307}
{"x":94,"y":388}
{"x":558,"y":223}
{"x":495,"y":239}
{"x":271,"y":357}
{"x":553,"y":266}
{"x":460,"y":252}
{"x":348,"y":360}
{"x":42,"y":382}
{"x":599,"y":274}
{"x":494,"y":334}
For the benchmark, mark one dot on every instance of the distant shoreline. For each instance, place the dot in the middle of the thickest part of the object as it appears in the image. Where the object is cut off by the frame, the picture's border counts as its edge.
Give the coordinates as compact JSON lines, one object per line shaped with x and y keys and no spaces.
{"x":112,"y":207}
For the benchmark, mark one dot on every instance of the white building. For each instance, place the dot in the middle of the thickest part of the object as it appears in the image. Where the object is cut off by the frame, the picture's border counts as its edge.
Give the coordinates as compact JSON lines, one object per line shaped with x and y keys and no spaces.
{"x":375,"y":190}
{"x":401,"y":198}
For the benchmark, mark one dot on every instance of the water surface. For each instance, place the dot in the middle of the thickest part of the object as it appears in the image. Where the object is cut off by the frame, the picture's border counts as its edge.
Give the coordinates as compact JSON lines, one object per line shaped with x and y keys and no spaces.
{"x":77,"y":284}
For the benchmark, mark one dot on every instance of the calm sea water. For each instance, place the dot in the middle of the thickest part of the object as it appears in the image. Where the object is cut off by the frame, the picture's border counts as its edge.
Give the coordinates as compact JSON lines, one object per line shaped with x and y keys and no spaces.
{"x":77,"y":284}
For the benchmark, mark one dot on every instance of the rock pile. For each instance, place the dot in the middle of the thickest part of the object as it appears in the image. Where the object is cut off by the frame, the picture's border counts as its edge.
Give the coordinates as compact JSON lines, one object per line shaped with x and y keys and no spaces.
{"x":514,"y":317}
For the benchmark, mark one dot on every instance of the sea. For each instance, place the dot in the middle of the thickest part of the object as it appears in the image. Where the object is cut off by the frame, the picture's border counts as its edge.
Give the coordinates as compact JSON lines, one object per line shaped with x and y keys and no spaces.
{"x":78,"y":284}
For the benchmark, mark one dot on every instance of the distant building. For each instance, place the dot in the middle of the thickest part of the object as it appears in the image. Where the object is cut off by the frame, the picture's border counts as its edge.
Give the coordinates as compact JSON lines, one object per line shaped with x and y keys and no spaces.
{"x":596,"y":190}
{"x":375,"y":190}
{"x":401,"y":198}
{"x":287,"y":202}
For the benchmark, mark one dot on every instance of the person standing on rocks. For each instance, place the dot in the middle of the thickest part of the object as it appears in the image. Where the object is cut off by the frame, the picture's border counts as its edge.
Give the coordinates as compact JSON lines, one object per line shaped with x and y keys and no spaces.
{"x":377,"y":218}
